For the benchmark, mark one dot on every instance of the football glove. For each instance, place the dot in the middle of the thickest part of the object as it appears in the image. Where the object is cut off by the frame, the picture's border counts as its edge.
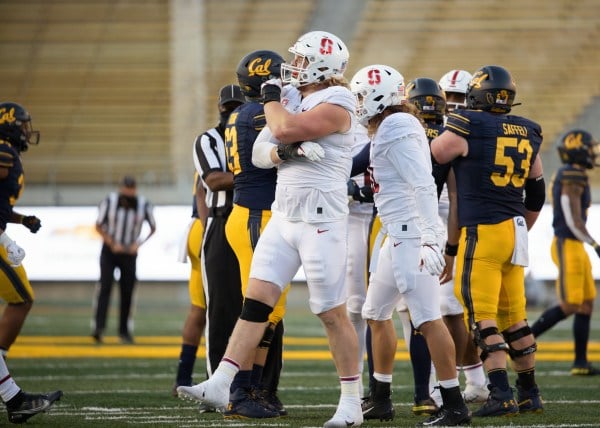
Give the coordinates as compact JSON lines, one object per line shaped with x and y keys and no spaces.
{"x":432,"y":259}
{"x":15,"y":254}
{"x":360,"y":194}
{"x":271,"y":90}
{"x":307,"y":149}
{"x":32,"y":223}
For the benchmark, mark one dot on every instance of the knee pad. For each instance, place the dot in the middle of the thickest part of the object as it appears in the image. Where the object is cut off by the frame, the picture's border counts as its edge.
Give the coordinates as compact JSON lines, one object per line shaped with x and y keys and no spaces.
{"x":516,"y":335}
{"x":479,"y":337}
{"x":255,"y":311}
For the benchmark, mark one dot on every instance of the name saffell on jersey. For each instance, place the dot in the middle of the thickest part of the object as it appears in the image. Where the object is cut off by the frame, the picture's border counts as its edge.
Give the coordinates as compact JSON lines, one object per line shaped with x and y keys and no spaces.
{"x":492,"y":176}
{"x":315,"y":192}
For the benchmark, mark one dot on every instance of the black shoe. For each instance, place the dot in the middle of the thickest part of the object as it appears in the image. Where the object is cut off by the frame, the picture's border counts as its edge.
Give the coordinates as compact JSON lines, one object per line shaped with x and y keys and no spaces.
{"x":243,"y":405}
{"x":270,"y":400}
{"x":31,"y":405}
{"x":499,"y":403}
{"x":448,"y":417}
{"x":529,"y":401}
{"x":126,"y":339}
{"x":97,"y":336}
{"x":380,"y":409}
{"x":587,"y":370}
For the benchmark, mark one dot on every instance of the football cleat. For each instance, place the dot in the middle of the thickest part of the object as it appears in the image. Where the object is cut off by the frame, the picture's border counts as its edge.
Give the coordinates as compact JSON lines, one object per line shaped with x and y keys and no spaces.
{"x":31,"y":405}
{"x":345,"y":417}
{"x":476,"y":393}
{"x":205,"y":393}
{"x":380,"y":409}
{"x":243,"y":404}
{"x":449,"y":417}
{"x":425,"y":407}
{"x":270,"y":400}
{"x":529,"y":401}
{"x":499,"y":403}
{"x":587,"y":370}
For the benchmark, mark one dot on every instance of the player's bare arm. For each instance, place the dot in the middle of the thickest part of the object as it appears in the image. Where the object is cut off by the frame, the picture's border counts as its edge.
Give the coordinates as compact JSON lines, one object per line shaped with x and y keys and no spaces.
{"x":448,"y":146}
{"x":453,"y":229}
{"x":324,"y":119}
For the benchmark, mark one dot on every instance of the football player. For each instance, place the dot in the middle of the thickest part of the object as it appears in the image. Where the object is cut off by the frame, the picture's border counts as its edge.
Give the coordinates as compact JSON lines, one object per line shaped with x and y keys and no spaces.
{"x":220,"y":270}
{"x":575,"y":288}
{"x":454,"y":84}
{"x":410,"y":259}
{"x":254,"y":192}
{"x":309,"y":223}
{"x":496,"y":163}
{"x":16,"y":135}
{"x":431,"y":100}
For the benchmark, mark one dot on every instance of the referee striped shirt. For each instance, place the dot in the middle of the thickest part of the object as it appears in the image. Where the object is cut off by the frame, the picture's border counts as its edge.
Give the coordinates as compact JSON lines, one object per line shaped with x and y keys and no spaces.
{"x":209,"y":155}
{"x":122,"y":217}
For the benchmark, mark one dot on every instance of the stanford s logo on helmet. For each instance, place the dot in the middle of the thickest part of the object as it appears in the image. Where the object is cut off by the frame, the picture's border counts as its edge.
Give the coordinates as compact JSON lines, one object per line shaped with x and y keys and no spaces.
{"x":318,"y":55}
{"x":375,"y":88}
{"x":16,"y":128}
{"x":491,"y":89}
{"x":256,"y":68}
{"x":578,"y":147}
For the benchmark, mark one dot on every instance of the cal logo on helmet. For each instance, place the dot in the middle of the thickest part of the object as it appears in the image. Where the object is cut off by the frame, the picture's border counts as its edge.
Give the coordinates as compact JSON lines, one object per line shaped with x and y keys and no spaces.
{"x":259,"y":68}
{"x":7,"y":116}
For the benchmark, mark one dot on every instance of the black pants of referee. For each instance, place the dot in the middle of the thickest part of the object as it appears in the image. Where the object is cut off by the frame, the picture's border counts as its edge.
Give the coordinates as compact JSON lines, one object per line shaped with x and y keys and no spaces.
{"x":223,"y":288}
{"x":126,"y":263}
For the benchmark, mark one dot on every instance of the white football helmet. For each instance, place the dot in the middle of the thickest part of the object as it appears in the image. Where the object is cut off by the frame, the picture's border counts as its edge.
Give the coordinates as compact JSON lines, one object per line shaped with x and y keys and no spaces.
{"x":456,"y":81}
{"x":318,"y":55}
{"x":375,"y":88}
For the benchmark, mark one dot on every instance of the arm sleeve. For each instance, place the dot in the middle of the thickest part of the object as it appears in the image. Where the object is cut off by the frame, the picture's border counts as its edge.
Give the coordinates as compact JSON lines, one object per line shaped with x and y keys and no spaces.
{"x":568,"y":214}
{"x":261,"y":149}
{"x":415,"y":168}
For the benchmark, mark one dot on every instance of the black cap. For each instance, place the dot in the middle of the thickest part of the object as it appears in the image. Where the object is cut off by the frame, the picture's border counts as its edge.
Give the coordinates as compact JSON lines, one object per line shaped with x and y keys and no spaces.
{"x":128,"y":181}
{"x":231,"y":93}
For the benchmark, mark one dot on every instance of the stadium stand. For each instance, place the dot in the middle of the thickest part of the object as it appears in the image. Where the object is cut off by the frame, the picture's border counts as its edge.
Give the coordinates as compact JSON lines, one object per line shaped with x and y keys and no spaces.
{"x":551,"y":47}
{"x":97,"y":75}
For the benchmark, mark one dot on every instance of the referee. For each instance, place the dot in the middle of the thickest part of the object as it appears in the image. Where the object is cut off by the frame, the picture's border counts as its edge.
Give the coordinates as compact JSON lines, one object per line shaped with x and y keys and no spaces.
{"x":120,"y":218}
{"x":220,"y":268}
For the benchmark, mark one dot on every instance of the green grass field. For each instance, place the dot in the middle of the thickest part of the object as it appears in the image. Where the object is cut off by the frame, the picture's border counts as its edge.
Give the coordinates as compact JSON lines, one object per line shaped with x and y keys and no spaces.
{"x":116,"y":385}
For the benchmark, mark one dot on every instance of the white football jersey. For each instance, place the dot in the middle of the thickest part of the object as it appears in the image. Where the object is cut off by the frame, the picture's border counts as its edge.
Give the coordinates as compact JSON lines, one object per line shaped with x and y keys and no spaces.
{"x":401,"y":163}
{"x":316,"y":192}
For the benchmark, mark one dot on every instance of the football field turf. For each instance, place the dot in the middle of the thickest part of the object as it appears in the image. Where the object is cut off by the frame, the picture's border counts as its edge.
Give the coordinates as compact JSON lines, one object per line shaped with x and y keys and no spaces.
{"x":114,"y":385}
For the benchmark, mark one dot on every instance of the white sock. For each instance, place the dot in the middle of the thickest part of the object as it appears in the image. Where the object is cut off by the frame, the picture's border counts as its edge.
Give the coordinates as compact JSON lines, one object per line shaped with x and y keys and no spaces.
{"x":8,"y":387}
{"x":382,"y":377}
{"x":225,"y":372}
{"x":475,"y":374}
{"x":449,"y":383}
{"x":349,"y":388}
{"x":432,"y":378}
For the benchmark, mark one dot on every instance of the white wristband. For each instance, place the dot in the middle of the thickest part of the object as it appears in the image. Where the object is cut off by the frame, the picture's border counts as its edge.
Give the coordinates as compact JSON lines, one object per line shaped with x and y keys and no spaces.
{"x":5,"y":240}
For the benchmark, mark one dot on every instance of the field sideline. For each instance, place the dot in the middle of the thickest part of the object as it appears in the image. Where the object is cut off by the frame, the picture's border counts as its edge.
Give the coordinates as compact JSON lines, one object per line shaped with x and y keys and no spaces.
{"x":169,"y":347}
